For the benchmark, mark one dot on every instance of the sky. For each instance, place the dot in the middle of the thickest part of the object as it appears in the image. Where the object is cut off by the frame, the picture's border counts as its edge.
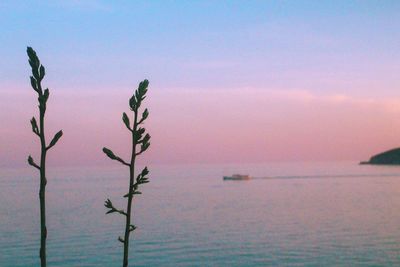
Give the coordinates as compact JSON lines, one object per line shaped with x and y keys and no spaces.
{"x":230,"y":81}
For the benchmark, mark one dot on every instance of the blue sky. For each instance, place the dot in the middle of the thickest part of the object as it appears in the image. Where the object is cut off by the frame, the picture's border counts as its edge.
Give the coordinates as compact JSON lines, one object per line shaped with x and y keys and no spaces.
{"x":322,"y":46}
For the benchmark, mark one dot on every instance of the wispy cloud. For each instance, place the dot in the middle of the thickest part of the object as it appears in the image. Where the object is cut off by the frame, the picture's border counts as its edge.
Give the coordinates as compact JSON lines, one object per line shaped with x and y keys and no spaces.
{"x":298,"y":95}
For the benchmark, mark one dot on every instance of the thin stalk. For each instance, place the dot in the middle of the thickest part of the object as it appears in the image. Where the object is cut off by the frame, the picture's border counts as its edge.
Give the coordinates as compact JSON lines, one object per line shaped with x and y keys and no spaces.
{"x":42,"y":190}
{"x":139,"y":139}
{"x":38,"y":73}
{"x":130,"y":196}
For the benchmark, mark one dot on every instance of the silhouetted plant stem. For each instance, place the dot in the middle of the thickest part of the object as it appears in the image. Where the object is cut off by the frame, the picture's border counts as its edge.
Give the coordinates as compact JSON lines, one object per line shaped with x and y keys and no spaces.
{"x":38,"y":72}
{"x":138,"y":138}
{"x":130,"y":196}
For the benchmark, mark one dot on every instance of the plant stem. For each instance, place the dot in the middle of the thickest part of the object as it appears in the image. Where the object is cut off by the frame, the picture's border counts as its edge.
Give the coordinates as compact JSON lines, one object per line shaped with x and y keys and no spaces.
{"x":138,"y":138}
{"x":43,"y":182}
{"x":130,"y":197}
{"x":42,"y":194}
{"x":38,"y":73}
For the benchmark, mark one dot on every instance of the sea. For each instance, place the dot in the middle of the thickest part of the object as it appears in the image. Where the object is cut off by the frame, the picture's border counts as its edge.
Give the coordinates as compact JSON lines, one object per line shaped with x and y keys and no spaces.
{"x":289,"y":214}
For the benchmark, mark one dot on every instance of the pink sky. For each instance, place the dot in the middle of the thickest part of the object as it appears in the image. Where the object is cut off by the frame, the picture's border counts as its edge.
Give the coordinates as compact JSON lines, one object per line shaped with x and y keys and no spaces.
{"x":205,"y":126}
{"x":229,"y":81}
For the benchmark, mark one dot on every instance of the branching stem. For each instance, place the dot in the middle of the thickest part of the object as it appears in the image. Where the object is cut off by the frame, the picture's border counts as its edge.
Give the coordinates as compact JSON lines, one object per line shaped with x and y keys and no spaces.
{"x":38,"y":72}
{"x":136,"y":135}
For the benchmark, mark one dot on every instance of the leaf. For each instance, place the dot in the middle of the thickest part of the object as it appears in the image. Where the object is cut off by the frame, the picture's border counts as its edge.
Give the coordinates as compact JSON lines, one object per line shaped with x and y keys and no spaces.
{"x":33,"y":59}
{"x":145,"y":115}
{"x":139,"y":133}
{"x":56,"y":137}
{"x":126,"y":121}
{"x":42,"y":72}
{"x":146,"y":139}
{"x":108,"y":203}
{"x":112,"y":156}
{"x":35,"y":128}
{"x":32,"y":163}
{"x":141,"y":130}
{"x":109,"y":153}
{"x":46,"y":94}
{"x":137,"y":95}
{"x":34,"y":83}
{"x":141,"y":179}
{"x":143,"y":87}
{"x":144,"y":147}
{"x":35,"y":73}
{"x":132,"y":103}
{"x":145,"y":171}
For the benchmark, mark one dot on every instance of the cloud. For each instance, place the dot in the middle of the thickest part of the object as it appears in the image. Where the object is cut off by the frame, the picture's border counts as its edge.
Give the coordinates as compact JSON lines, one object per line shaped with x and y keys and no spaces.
{"x":298,"y":95}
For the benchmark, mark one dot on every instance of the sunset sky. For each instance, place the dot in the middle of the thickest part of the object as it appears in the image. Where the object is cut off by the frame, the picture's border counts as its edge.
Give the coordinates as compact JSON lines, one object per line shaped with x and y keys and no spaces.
{"x":230,"y":81}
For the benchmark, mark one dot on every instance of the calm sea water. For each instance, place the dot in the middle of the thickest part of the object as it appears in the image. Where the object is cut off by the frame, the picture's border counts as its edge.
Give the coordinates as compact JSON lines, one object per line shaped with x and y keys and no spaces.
{"x":293,"y":214}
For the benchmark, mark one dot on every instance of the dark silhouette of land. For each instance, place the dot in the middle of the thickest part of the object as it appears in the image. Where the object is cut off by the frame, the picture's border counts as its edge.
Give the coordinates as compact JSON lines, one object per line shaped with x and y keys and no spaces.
{"x":390,"y":157}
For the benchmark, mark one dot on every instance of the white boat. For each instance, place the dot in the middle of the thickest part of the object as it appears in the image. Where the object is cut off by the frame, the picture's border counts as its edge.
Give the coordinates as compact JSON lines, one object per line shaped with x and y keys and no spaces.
{"x":237,"y":177}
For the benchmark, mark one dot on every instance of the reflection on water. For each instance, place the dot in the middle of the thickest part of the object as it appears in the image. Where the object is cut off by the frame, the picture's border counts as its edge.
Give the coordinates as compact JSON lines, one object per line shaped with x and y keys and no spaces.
{"x":308,"y":214}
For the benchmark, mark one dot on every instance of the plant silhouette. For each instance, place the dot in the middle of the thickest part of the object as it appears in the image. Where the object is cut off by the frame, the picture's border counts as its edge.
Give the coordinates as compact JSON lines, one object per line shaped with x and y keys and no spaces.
{"x":139,"y":139}
{"x":38,"y":72}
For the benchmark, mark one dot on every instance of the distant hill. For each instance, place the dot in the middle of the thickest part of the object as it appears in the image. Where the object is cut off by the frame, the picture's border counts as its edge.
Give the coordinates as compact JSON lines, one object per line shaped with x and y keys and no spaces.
{"x":390,"y":157}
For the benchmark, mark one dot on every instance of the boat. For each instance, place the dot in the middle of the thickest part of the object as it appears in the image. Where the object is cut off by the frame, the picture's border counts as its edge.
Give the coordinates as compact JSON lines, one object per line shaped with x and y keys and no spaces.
{"x":237,"y":177}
